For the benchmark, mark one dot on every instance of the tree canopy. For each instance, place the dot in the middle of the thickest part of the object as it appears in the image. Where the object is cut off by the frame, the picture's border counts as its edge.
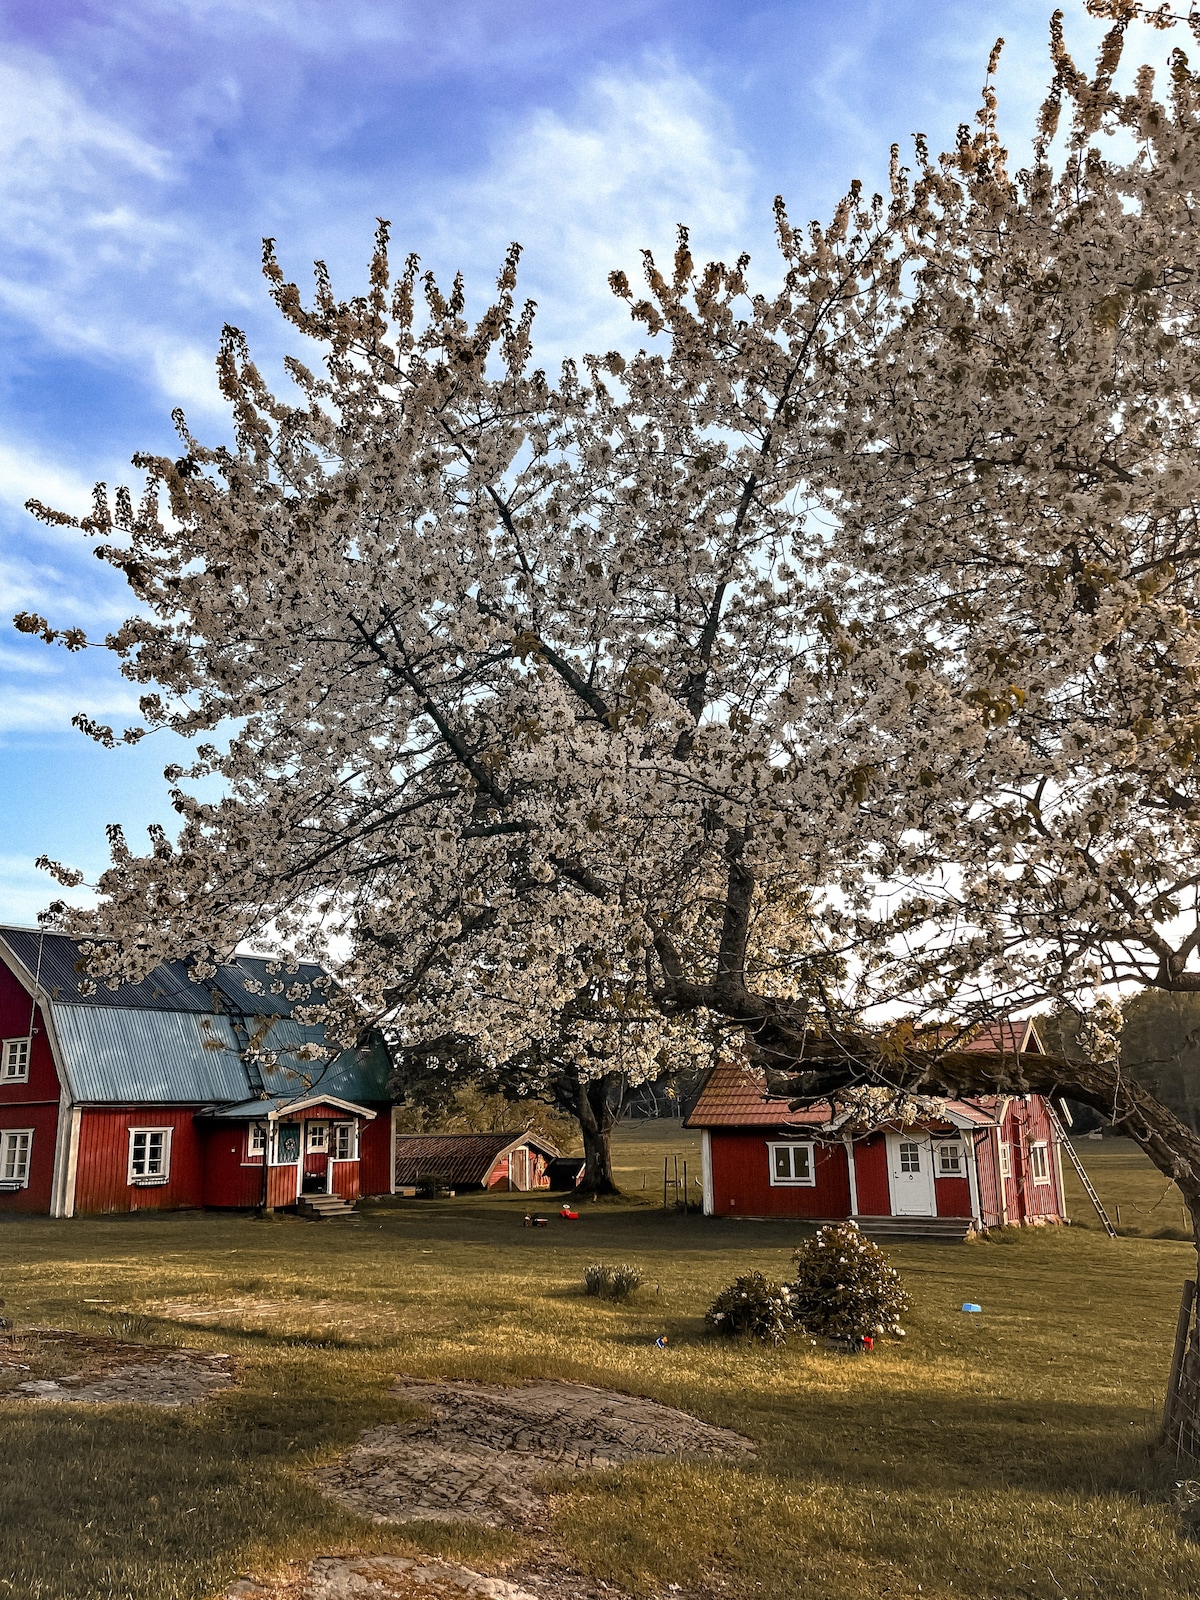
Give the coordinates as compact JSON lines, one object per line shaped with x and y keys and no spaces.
{"x":832,"y":660}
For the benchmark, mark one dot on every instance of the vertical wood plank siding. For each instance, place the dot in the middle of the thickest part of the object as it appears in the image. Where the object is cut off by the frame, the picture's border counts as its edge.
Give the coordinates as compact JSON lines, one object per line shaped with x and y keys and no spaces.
{"x":989,"y":1177}
{"x":871,"y":1170}
{"x":375,"y":1153}
{"x":102,"y":1184}
{"x":229,"y":1179}
{"x":346,"y":1180}
{"x":33,"y":1104}
{"x":742,"y":1181}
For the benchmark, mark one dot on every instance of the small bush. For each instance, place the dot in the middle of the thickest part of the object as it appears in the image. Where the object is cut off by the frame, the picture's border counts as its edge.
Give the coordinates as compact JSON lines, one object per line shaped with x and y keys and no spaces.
{"x":844,"y":1287}
{"x":611,"y":1282}
{"x":754,"y":1306}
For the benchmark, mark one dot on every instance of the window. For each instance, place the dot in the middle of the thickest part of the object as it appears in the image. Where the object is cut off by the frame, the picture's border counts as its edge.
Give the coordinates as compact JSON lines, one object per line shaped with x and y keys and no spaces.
{"x":256,"y":1141}
{"x":792,"y":1163}
{"x":1005,"y":1161}
{"x":316,"y":1137}
{"x":14,"y":1061}
{"x":15,"y":1147}
{"x":149,"y":1155}
{"x":910,"y":1156}
{"x":1039,"y":1163}
{"x":344,"y":1141}
{"x":950,"y":1161}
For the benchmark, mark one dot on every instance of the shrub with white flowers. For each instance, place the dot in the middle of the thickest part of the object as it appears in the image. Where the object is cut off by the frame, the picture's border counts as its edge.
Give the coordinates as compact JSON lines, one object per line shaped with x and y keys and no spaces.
{"x":752,"y":1305}
{"x":844,"y":1287}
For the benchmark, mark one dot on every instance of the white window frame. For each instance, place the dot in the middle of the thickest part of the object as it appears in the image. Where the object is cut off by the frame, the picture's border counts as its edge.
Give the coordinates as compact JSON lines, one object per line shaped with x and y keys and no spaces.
{"x":350,"y":1131}
{"x":1039,"y":1156}
{"x":959,"y":1169}
{"x":9,"y":1185}
{"x":792,"y":1182}
{"x":256,"y":1143}
{"x":147,"y":1179}
{"x":10,"y":1051}
{"x":312,"y":1145}
{"x":1005,"y":1159}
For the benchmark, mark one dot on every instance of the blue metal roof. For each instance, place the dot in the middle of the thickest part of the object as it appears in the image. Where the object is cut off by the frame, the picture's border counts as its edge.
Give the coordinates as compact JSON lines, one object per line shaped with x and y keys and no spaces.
{"x":169,"y":1040}
{"x":115,"y":1055}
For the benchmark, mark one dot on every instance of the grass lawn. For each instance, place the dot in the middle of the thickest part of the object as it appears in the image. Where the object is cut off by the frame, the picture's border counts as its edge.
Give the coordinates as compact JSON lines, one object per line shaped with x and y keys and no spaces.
{"x":1000,"y":1455}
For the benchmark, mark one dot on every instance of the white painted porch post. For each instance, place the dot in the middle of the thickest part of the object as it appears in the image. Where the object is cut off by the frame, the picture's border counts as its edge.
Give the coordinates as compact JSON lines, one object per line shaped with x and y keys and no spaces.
{"x":973,"y":1177}
{"x":1000,"y":1178}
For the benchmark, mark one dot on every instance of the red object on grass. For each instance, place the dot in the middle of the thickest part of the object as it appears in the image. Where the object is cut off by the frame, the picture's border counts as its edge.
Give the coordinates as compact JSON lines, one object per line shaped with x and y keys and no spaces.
{"x":568,"y":1215}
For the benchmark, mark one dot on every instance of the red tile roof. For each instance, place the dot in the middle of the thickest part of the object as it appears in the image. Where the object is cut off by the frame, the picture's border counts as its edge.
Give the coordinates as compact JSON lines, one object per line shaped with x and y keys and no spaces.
{"x":735,"y":1096}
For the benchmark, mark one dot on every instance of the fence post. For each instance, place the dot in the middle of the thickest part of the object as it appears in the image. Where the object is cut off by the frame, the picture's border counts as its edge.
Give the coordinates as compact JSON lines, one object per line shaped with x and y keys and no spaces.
{"x":1187,"y":1300}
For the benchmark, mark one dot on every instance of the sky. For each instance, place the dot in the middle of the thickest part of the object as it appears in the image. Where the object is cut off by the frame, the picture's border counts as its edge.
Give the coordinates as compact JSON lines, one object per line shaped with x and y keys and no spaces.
{"x":148,"y":146}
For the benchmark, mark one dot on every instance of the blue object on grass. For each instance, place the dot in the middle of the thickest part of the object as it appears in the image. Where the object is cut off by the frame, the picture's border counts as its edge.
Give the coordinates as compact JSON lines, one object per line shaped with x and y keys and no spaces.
{"x":971,"y":1306}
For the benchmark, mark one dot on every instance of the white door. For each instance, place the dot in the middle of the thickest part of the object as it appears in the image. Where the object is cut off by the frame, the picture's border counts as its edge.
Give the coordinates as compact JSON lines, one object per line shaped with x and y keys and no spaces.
{"x":910,"y":1174}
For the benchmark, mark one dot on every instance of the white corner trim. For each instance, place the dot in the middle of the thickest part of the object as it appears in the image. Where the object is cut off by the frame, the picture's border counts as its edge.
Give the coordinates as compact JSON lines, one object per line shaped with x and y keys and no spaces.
{"x":706,"y":1171}
{"x":973,"y":1179}
{"x":848,"y":1141}
{"x":72,"y":1163}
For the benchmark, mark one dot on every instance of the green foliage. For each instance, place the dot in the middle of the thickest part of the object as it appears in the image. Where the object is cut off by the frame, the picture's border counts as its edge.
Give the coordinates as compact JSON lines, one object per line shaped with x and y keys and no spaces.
{"x":611,"y":1282}
{"x":752,"y":1305}
{"x":844,"y":1286}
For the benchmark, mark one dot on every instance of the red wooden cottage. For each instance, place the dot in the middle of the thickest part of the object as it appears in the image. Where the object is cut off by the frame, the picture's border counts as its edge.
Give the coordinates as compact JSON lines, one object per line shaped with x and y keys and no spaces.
{"x":983,"y":1163}
{"x":474,"y":1160}
{"x":170,"y":1093}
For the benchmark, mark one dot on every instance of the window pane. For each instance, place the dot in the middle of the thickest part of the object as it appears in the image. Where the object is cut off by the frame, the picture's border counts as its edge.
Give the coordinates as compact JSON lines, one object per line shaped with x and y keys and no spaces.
{"x":800,"y":1161}
{"x":137,"y":1162}
{"x":154,"y":1154}
{"x":783,"y":1164}
{"x":910,"y":1157}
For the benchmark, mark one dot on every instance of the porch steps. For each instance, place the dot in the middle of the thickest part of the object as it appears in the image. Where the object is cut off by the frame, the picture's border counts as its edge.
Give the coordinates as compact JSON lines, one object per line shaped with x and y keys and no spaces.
{"x":953,"y":1230}
{"x":324,"y":1207}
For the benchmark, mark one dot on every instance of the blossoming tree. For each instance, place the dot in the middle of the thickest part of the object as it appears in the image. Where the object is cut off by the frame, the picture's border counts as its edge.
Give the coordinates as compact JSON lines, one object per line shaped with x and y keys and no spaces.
{"x":829,"y":661}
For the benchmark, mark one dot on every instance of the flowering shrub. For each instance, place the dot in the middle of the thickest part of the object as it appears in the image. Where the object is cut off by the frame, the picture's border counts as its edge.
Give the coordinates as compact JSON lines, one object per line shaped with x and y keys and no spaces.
{"x":611,"y":1282}
{"x":844,"y":1287}
{"x":753,"y":1305}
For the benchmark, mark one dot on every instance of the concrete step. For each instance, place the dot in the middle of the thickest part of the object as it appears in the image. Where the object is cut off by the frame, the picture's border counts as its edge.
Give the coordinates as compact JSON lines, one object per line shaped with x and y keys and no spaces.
{"x":953,"y":1230}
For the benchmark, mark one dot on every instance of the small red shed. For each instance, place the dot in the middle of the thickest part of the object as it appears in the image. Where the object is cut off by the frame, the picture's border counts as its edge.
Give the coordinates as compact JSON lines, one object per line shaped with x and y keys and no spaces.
{"x":981,"y":1163}
{"x":474,"y":1160}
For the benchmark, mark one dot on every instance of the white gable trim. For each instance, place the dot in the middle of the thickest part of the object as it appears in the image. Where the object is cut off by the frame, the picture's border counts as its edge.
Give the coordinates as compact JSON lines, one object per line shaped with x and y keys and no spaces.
{"x":284,"y":1112}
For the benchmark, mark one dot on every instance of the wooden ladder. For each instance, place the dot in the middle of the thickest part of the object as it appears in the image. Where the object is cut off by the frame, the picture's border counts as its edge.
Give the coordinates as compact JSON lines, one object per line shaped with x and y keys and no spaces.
{"x":1073,"y":1157}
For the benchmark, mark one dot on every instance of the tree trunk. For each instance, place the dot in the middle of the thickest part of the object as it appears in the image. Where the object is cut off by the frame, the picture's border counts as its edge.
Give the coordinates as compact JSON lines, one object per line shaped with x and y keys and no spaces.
{"x":596,"y":1105}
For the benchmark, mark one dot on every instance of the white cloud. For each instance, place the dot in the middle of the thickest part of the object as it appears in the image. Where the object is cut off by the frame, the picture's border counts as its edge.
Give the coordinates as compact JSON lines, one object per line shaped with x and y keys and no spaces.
{"x":585,"y":192}
{"x":24,"y":891}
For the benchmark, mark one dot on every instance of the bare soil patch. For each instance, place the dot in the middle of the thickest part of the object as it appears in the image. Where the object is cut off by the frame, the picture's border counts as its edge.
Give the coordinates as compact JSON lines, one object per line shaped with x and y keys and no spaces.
{"x":487,"y":1451}
{"x":57,"y":1366}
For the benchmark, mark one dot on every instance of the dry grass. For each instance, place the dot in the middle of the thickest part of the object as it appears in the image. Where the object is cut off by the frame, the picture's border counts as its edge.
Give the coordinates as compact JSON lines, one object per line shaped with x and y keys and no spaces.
{"x":996,"y":1456}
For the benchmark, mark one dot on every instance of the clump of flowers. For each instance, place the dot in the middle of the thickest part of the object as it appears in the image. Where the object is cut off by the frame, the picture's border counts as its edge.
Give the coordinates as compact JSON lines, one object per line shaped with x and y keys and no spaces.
{"x":754,"y":1306}
{"x":611,"y":1282}
{"x":844,"y":1287}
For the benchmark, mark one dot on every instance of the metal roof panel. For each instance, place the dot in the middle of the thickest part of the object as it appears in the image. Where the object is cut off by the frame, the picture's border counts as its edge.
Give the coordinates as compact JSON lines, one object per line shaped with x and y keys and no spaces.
{"x":117,"y":1055}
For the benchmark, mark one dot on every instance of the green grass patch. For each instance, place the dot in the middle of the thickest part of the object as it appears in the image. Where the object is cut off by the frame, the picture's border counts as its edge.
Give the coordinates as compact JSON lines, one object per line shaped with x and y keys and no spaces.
{"x":997,"y":1456}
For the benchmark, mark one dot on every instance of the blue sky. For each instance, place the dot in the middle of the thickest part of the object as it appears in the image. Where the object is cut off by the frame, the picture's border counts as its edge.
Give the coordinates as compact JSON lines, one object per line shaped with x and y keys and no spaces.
{"x":146,"y":146}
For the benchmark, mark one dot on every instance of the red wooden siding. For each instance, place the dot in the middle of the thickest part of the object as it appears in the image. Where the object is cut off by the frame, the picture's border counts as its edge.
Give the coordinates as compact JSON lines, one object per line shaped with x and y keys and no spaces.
{"x":989,"y":1178}
{"x":375,"y":1154}
{"x":952,"y":1196}
{"x":1026,"y":1123}
{"x":871,"y":1176}
{"x":229,"y":1178}
{"x":281,"y":1185}
{"x":33,"y":1104}
{"x":742,"y":1186}
{"x":102,"y":1174}
{"x":347,"y":1179}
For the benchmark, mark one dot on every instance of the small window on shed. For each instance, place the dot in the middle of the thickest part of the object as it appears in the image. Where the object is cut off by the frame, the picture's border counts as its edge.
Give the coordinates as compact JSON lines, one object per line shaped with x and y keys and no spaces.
{"x":950,"y":1161}
{"x":1005,"y":1161}
{"x":343,"y":1142}
{"x":256,"y":1141}
{"x":14,"y":1061}
{"x":792,"y":1164}
{"x":1039,"y":1163}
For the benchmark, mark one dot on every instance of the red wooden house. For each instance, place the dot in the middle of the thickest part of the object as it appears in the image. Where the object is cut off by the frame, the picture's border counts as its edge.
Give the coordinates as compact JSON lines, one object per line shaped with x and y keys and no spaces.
{"x":170,"y":1093}
{"x":983,"y":1163}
